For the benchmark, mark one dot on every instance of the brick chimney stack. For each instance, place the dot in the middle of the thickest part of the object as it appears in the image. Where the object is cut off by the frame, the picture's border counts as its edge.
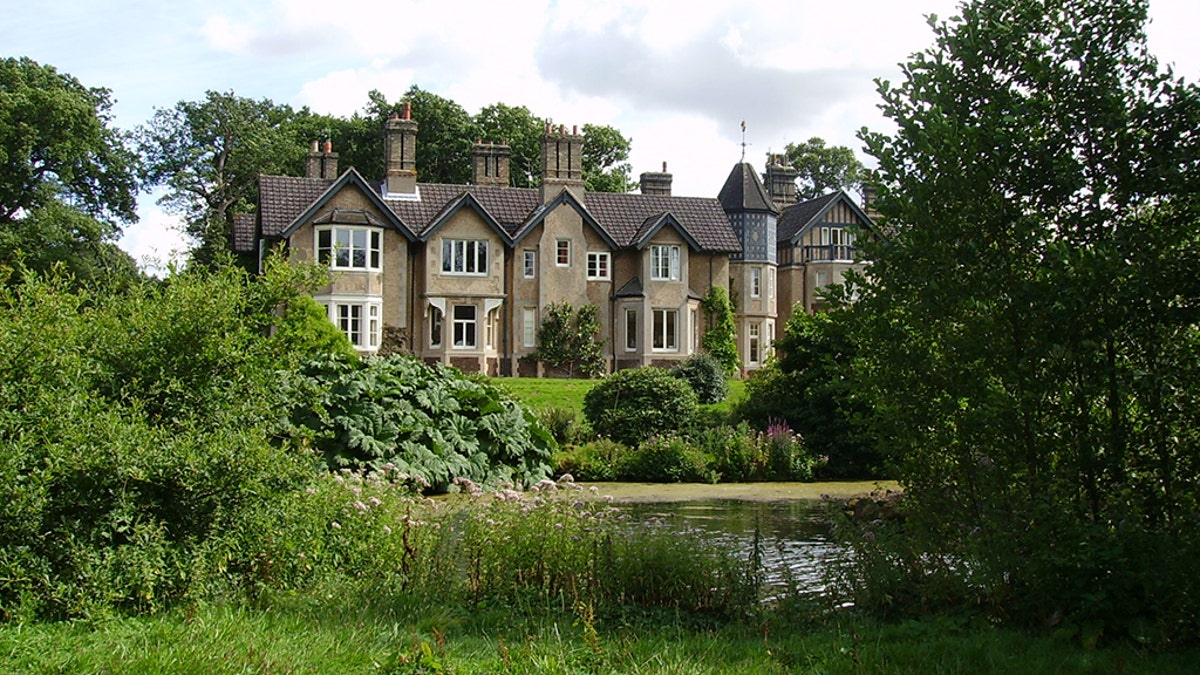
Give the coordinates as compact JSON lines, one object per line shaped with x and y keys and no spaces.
{"x":322,"y":163}
{"x":490,"y":163}
{"x":655,"y":183}
{"x":780,"y":181}
{"x":562,"y":162}
{"x":400,"y":141}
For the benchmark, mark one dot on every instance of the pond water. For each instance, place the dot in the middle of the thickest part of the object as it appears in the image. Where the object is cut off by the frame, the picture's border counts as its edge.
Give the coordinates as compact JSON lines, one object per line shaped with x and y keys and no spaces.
{"x":794,"y":540}
{"x":791,"y":520}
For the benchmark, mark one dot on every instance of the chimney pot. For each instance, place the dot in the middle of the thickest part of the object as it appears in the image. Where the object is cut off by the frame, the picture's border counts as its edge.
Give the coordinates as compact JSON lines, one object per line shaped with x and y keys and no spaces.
{"x":407,"y":110}
{"x":664,"y":167}
{"x":575,"y":130}
{"x":328,"y":146}
{"x":315,"y":147}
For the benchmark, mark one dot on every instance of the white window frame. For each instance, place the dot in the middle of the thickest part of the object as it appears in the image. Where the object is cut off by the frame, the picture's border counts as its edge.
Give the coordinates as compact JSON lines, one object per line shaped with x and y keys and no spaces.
{"x":530,"y":264}
{"x":838,"y":239}
{"x":489,"y":329}
{"x":464,"y":328}
{"x":599,"y":266}
{"x":562,"y":250}
{"x":664,"y":262}
{"x":437,"y":327}
{"x":753,"y":344}
{"x":631,"y":329}
{"x":360,"y":319}
{"x":666,"y":330}
{"x":755,"y":282}
{"x":770,"y":283}
{"x":465,"y":257}
{"x":337,"y":246}
{"x":529,"y":327}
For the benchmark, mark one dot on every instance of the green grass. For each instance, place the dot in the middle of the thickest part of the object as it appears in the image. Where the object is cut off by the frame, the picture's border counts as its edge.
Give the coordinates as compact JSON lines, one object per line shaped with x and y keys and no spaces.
{"x":542,"y":393}
{"x":310,"y":635}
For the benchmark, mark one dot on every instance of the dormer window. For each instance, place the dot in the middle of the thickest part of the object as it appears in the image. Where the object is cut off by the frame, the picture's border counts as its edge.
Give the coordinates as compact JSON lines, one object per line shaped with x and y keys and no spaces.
{"x":664,"y":262}
{"x":349,"y":248}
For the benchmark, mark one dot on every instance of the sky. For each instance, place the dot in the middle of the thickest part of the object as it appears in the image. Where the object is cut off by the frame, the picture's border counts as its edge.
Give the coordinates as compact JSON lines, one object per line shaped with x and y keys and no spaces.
{"x":677,"y":77}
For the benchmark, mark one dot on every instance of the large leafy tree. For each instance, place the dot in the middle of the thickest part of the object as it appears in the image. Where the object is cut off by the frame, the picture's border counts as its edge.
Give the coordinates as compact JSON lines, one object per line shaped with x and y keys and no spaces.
{"x":208,"y":155}
{"x":67,"y":179}
{"x":522,"y":131}
{"x":823,"y":168}
{"x":445,"y":134}
{"x":56,"y":145}
{"x":606,"y":159}
{"x":1031,"y":328}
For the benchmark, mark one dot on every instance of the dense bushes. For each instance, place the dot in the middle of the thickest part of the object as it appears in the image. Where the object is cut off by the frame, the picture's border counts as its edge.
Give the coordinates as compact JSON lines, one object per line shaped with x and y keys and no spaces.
{"x":136,"y":439}
{"x":633,"y":405}
{"x":428,"y":421}
{"x":705,"y":375}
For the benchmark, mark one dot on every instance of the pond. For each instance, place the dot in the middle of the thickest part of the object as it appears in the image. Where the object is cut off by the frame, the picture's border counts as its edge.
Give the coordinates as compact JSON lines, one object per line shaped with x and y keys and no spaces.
{"x":791,"y":521}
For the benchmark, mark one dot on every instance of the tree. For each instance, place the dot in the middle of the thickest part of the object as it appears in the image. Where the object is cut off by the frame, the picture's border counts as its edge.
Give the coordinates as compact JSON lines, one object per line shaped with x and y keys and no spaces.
{"x":209,"y":153}
{"x":522,"y":131}
{"x":445,"y":133}
{"x":823,"y":169}
{"x":809,"y":386}
{"x":1031,"y":330}
{"x":56,"y":235}
{"x":56,"y":146}
{"x":606,"y":159}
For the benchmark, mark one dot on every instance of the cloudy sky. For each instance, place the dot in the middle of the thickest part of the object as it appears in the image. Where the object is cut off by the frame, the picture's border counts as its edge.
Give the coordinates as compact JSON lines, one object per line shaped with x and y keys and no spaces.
{"x":676,"y":76}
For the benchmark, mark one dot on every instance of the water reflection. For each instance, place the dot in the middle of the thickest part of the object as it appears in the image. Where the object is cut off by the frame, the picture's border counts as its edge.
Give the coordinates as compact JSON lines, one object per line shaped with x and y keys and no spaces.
{"x":794,"y":536}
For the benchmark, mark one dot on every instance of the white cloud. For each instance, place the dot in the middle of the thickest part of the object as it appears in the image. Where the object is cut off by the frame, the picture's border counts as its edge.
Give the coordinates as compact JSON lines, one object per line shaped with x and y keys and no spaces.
{"x":156,"y":240}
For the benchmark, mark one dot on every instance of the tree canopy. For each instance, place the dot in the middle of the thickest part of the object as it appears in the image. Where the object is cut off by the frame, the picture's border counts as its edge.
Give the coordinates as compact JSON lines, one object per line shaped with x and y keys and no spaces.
{"x":1031,"y":329}
{"x":822,"y":168}
{"x":208,"y":155}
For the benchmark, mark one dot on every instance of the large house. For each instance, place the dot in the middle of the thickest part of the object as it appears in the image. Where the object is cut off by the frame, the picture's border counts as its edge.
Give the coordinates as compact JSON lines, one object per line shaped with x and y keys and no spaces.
{"x":462,"y":274}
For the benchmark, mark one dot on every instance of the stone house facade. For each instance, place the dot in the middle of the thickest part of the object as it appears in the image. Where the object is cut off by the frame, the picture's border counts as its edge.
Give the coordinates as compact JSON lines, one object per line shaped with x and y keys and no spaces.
{"x":465,"y":273}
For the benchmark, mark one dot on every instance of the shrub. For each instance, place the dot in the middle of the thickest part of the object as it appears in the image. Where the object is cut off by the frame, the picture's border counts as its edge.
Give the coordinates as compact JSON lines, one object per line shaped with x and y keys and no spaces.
{"x":564,"y":425}
{"x":596,"y":460}
{"x":705,"y":375}
{"x":632,"y":405}
{"x":568,"y":341}
{"x":737,"y":452}
{"x":428,"y":421}
{"x":666,"y":459}
{"x":720,"y":339}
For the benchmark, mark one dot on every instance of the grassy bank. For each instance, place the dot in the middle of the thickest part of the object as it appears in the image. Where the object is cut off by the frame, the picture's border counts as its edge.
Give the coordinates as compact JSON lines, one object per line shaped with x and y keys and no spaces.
{"x":311,"y":634}
{"x":543,"y":393}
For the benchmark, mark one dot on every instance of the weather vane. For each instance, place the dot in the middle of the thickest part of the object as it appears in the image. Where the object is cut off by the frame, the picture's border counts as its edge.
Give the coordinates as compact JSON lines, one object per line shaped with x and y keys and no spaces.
{"x":744,"y":143}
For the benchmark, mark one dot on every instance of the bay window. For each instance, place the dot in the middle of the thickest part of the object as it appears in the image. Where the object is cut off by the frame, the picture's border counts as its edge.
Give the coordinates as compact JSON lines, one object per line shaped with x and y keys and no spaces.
{"x":349,"y":248}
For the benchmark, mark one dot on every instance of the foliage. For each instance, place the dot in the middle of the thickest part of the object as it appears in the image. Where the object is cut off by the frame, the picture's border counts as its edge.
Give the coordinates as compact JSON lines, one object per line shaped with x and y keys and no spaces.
{"x":208,"y":155}
{"x":564,"y":424}
{"x":591,"y":461}
{"x":445,"y":132}
{"x":636,"y":404}
{"x":56,"y":234}
{"x":567,"y":340}
{"x":305,"y":328}
{"x":58,"y":147}
{"x":137,"y":445}
{"x":606,"y":159}
{"x":522,"y":131}
{"x":427,"y":421}
{"x":823,"y":169}
{"x":720,"y":335}
{"x":1030,"y":332}
{"x":705,"y":375}
{"x":665,"y":459}
{"x":810,"y":387}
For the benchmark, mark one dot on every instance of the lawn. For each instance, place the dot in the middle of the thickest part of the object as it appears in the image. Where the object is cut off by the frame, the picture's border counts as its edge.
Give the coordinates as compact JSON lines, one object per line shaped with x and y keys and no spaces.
{"x":544,"y":393}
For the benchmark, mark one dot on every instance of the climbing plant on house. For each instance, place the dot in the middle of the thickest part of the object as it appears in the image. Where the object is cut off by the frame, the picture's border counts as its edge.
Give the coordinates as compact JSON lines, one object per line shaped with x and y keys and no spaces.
{"x":720,"y":339}
{"x":568,"y":343}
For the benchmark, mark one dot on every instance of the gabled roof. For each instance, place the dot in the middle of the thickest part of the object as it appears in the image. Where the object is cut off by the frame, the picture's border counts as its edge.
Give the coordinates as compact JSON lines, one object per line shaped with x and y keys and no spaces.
{"x":798,"y":218}
{"x":655,"y":223}
{"x":349,"y":179}
{"x":743,"y":191}
{"x":466,"y":200}
{"x":565,"y":198}
{"x":702,"y":218}
{"x":285,"y":202}
{"x":631,"y":289}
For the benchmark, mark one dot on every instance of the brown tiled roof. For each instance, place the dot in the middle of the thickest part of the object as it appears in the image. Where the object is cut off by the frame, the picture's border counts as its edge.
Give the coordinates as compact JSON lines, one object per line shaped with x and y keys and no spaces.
{"x":243,"y":233}
{"x":284,"y":198}
{"x":795,"y":217}
{"x":744,"y":191}
{"x":623,"y":215}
